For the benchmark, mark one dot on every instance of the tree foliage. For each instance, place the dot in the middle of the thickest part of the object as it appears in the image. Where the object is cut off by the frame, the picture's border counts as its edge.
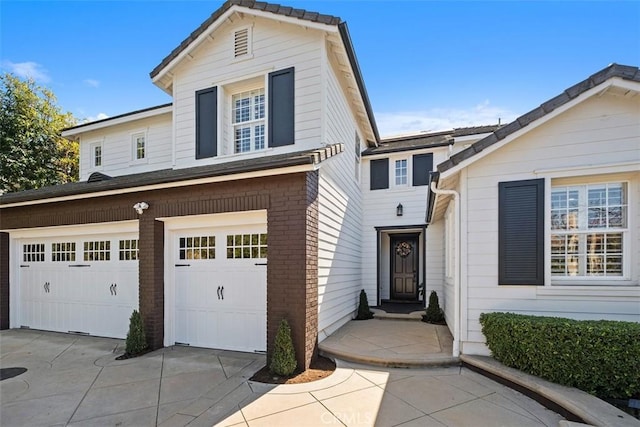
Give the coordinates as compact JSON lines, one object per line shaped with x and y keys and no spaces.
{"x":32,"y":152}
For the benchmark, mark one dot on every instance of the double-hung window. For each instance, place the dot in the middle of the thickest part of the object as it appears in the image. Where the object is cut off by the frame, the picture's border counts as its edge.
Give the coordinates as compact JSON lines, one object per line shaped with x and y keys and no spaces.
{"x":589,"y":227}
{"x":401,"y":172}
{"x":138,"y":144}
{"x":248,"y":117}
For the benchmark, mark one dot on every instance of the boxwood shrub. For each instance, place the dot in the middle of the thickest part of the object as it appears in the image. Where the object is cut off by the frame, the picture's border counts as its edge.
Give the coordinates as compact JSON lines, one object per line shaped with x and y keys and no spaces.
{"x":601,"y":357}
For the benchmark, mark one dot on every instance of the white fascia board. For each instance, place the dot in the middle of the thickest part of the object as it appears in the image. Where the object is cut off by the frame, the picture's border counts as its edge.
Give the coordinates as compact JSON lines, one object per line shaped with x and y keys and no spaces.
{"x":467,"y":138}
{"x":224,"y":178}
{"x":535,"y":124}
{"x":222,"y":19}
{"x":130,"y":226}
{"x":117,"y":121}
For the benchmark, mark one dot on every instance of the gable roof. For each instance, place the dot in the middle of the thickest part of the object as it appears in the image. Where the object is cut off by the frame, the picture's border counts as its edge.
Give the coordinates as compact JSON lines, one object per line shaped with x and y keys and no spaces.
{"x":624,"y":72}
{"x":98,"y":185}
{"x":283,"y":11}
{"x":120,"y":118}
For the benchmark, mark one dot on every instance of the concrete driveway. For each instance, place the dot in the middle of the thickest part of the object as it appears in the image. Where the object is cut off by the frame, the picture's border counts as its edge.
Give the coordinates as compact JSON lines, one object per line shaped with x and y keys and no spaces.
{"x":75,"y":380}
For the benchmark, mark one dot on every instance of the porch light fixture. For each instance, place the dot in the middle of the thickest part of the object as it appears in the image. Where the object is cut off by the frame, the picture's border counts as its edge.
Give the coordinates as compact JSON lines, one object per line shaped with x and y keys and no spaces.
{"x":399,"y":209}
{"x":140,"y":207}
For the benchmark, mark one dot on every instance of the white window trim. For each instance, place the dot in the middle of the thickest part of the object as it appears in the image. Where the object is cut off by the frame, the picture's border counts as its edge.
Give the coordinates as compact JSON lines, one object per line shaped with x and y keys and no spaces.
{"x":249,"y":54}
{"x":230,"y":89}
{"x":92,"y":155}
{"x":627,"y":233}
{"x":134,"y":147}
{"x":393,"y":173}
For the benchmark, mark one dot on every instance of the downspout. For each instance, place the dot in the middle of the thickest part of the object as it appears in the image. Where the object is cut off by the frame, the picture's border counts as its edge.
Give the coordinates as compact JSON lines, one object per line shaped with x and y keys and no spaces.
{"x":456,"y":279}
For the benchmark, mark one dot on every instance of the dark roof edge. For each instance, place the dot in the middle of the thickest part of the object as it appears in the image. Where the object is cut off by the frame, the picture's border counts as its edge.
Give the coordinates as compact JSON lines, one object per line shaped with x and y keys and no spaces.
{"x":119,"y":116}
{"x":346,"y":39}
{"x":434,"y":177}
{"x":169,"y":176}
{"x":625,"y":72}
{"x":369,"y":152}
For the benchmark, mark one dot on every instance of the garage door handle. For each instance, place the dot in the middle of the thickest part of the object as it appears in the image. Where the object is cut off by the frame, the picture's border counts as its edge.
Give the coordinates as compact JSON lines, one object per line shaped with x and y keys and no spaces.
{"x":47,"y":287}
{"x":218,"y":292}
{"x":260,"y":263}
{"x":222,"y":292}
{"x":115,"y":289}
{"x":79,"y":265}
{"x":183,"y":265}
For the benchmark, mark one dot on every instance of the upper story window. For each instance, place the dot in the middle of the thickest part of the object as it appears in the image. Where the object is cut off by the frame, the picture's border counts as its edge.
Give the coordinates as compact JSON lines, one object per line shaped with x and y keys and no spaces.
{"x":248,"y":117}
{"x":245,"y":116}
{"x":96,"y":154}
{"x":589,"y":227}
{"x":401,"y":172}
{"x":139,"y":146}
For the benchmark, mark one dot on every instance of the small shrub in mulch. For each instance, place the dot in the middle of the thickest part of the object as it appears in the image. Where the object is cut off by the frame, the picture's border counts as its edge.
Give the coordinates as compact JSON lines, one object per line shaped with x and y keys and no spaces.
{"x":136,"y":343}
{"x":320,"y":367}
{"x":364,"y":312}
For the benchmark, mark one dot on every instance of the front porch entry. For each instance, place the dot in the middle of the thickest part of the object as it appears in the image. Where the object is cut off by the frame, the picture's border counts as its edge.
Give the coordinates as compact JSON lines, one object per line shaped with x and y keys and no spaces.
{"x":401,"y":266}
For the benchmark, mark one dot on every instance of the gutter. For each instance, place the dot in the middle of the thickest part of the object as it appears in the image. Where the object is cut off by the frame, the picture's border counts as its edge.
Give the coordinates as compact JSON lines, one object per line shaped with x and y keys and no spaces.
{"x":457,"y":269}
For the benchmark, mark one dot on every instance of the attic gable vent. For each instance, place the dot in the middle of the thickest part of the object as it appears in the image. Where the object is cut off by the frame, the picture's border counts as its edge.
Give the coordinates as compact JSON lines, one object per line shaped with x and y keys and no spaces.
{"x":241,"y":42}
{"x":97,"y":177}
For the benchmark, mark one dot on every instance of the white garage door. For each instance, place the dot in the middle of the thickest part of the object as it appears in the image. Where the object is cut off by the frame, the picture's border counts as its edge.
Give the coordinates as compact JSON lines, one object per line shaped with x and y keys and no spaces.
{"x":221,"y":287}
{"x":86,"y":284}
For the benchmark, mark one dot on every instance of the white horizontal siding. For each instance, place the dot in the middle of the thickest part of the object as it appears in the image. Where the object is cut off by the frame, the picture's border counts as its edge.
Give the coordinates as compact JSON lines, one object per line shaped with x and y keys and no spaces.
{"x":380,"y":211}
{"x":598,"y":131}
{"x":276,"y":46}
{"x":117,"y":148}
{"x":339,"y":218}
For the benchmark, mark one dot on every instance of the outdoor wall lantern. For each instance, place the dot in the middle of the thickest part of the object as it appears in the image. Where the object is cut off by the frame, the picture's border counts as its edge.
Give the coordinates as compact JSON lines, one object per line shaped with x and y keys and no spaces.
{"x":399,"y":209}
{"x":140,"y":207}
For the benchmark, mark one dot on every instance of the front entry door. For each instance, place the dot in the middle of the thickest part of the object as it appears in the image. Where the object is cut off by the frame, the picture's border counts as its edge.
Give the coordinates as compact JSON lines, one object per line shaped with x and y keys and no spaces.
{"x":404,"y":267}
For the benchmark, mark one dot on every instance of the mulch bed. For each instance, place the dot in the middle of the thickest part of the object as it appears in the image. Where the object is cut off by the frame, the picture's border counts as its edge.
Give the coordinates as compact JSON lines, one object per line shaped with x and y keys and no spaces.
{"x":321,"y":367}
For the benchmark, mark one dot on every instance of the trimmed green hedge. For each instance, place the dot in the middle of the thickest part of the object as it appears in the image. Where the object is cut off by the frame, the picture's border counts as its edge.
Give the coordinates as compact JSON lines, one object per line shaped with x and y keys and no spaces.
{"x":601,"y":357}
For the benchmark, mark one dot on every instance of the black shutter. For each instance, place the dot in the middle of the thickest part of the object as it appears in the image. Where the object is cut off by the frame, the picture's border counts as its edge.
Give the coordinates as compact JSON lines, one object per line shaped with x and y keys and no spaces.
{"x":207,"y":123}
{"x":422,"y":165}
{"x":281,"y":103}
{"x":521,"y":232}
{"x":379,"y":178}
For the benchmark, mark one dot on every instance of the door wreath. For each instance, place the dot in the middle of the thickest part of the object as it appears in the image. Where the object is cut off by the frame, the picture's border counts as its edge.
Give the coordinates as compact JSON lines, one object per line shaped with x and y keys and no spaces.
{"x":403,"y":249}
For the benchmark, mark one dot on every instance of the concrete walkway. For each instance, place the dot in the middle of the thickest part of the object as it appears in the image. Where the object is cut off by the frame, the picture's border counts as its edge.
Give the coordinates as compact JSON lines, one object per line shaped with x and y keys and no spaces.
{"x":391,"y":342}
{"x":75,"y":380}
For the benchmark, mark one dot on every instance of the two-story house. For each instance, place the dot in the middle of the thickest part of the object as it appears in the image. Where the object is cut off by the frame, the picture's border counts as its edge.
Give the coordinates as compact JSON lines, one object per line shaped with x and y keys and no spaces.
{"x":263,"y":191}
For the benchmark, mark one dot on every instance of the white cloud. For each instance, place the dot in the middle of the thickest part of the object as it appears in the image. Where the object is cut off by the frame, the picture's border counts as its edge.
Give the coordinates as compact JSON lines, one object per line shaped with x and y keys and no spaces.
{"x":437,"y":119}
{"x":91,"y":82}
{"x":99,"y":116}
{"x":27,"y":70}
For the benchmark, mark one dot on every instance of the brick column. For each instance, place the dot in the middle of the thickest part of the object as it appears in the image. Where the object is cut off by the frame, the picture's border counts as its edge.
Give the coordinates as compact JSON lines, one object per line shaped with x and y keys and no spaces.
{"x":292,"y":275}
{"x":151,"y":278}
{"x":4,"y":280}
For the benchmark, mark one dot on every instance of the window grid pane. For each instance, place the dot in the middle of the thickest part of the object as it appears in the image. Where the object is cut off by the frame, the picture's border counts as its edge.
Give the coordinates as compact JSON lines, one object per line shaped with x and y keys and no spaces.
{"x":140,"y":147}
{"x":248,"y":113}
{"x":588,"y":224}
{"x":247,"y":246}
{"x":197,"y":247}
{"x":97,"y":250}
{"x":97,"y":155}
{"x":128,"y":250}
{"x":401,"y":172}
{"x":63,"y":252}
{"x":33,"y":252}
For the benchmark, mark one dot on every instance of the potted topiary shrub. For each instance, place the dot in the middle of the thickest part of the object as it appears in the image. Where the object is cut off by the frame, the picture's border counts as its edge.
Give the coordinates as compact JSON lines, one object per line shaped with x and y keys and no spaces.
{"x":364,"y":312}
{"x":283,"y":360}
{"x":136,"y":343}
{"x":434,"y":313}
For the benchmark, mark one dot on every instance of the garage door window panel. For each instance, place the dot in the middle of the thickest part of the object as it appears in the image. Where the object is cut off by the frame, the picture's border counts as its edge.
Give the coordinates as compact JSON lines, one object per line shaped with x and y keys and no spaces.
{"x":63,"y":252}
{"x":246,"y":246}
{"x":195,"y":248}
{"x":33,"y":252}
{"x":128,"y":250}
{"x":97,"y":250}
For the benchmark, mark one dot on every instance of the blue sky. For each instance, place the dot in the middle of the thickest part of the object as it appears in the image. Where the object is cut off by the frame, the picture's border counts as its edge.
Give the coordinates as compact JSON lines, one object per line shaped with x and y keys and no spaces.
{"x":427,"y":65}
